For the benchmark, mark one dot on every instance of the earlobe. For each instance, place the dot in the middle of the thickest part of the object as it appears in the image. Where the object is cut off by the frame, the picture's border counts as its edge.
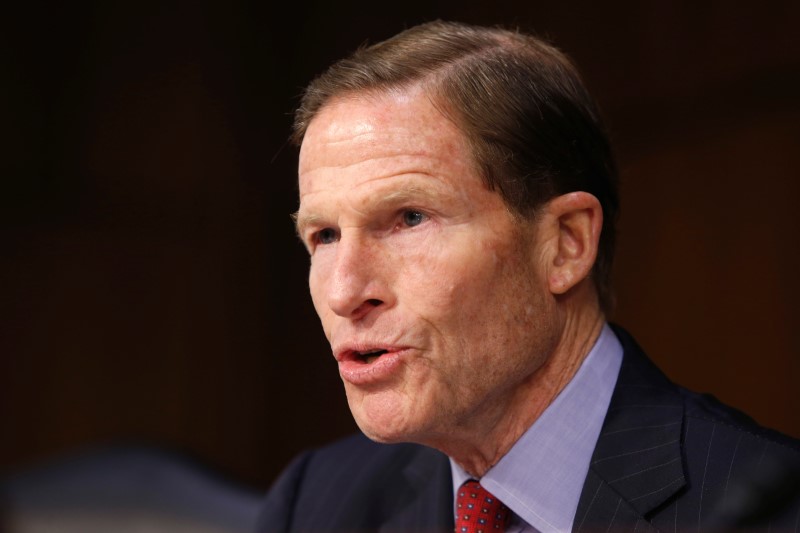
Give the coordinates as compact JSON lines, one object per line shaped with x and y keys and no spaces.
{"x":577,"y":220}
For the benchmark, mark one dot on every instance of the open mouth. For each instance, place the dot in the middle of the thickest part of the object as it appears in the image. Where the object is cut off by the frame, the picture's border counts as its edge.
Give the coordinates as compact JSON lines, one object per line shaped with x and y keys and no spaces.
{"x":369,"y":356}
{"x":370,"y":363}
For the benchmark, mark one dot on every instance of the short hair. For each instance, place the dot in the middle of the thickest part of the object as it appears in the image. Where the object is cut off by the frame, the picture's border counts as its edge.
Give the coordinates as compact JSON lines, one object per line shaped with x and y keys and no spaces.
{"x":534,"y":130}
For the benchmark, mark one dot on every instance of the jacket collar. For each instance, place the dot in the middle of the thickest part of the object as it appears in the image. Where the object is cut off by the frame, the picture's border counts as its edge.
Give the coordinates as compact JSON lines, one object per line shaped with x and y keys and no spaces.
{"x":425,"y":495}
{"x":637,"y":461}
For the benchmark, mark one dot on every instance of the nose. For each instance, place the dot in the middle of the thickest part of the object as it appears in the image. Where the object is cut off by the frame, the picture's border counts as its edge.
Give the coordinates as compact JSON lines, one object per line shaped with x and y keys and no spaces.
{"x":357,"y":285}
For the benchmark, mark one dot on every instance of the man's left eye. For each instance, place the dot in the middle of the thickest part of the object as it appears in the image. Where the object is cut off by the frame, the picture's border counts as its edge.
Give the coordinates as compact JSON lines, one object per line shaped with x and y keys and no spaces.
{"x":413,"y":218}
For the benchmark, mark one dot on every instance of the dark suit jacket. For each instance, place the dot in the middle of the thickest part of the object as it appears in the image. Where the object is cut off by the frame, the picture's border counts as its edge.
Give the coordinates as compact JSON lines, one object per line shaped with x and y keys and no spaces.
{"x":667,"y":459}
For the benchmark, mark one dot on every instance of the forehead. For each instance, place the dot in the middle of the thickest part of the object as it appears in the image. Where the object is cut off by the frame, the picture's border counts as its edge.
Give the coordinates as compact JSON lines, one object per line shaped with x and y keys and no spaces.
{"x":381,"y":130}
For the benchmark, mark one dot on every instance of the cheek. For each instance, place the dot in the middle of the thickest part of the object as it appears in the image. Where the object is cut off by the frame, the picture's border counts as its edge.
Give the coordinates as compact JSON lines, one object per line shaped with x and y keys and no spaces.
{"x":315,"y":286}
{"x":318,"y":288}
{"x":472,"y":272}
{"x":436,"y":280}
{"x":496,"y":296}
{"x":453,"y":290}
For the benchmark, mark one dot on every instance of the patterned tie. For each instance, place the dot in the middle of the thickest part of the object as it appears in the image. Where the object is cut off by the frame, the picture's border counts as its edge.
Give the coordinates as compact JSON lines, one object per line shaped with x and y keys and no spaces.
{"x":479,"y":511}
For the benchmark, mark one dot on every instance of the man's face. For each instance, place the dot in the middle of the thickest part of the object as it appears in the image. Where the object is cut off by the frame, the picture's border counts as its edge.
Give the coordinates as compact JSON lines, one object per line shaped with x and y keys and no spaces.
{"x":429,"y":290}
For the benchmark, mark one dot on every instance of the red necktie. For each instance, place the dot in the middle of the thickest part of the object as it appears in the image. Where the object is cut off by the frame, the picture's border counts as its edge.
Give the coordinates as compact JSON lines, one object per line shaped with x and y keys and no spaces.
{"x":478,"y":511}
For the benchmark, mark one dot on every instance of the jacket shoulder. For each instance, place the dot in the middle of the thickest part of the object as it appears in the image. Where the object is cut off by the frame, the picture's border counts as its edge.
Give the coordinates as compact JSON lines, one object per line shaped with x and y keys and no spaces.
{"x":350,"y":485}
{"x":736,"y":473}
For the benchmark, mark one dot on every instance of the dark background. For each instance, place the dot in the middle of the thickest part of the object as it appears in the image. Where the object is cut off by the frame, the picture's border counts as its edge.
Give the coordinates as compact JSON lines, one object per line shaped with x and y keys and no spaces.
{"x":151,"y":286}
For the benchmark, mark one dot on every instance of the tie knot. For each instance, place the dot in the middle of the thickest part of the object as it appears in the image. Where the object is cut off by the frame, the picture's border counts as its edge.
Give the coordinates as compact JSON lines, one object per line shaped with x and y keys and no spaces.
{"x":478,"y":511}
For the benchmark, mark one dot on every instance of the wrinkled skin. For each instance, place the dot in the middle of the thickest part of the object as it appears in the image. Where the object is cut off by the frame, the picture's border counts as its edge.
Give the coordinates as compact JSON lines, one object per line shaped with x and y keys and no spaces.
{"x":413,"y":255}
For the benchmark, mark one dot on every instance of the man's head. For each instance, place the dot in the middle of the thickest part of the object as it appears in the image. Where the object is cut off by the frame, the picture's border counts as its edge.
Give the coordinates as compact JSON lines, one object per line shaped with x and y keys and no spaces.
{"x":534,"y":130}
{"x":456,"y":301}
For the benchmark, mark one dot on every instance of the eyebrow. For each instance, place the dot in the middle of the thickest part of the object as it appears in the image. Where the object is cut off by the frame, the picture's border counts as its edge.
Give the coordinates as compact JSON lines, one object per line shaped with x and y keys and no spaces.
{"x":406,"y":195}
{"x":301,"y":222}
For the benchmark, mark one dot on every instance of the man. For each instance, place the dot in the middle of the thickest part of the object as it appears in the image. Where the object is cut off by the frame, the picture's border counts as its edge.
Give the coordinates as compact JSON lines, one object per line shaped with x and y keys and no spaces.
{"x":457,"y":198}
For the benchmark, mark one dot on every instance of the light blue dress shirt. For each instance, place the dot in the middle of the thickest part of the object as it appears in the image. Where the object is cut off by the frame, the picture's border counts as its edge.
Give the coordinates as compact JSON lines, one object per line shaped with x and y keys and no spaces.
{"x":540,"y":479}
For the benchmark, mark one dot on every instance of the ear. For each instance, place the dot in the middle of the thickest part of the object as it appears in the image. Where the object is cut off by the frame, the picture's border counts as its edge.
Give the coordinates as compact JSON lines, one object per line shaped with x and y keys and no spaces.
{"x":574,"y":221}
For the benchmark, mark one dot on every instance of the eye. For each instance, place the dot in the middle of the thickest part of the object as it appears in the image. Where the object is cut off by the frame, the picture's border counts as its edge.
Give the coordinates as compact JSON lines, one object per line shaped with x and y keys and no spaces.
{"x":326,"y":236}
{"x":413,"y":218}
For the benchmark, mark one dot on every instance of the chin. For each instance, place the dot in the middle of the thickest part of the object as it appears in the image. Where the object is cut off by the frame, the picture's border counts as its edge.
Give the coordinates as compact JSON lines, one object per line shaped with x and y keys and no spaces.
{"x":382,"y":430}
{"x":386,"y":423}
{"x":380,"y":436}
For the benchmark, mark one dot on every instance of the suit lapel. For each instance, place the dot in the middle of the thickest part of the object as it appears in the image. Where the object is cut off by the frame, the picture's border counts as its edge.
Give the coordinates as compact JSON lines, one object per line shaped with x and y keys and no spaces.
{"x":637,"y":464}
{"x":425,"y":501}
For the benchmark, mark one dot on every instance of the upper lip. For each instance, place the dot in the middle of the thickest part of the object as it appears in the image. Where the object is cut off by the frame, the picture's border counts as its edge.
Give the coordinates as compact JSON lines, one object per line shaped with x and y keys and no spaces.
{"x":357,"y":350}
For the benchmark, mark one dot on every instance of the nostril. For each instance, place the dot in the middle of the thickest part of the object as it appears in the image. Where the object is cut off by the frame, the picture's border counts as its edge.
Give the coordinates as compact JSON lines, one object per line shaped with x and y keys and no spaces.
{"x":365,"y":308}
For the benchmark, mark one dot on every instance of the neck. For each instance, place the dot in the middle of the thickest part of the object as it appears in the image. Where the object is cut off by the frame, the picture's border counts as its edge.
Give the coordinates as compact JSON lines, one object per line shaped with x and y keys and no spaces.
{"x":478,"y":449}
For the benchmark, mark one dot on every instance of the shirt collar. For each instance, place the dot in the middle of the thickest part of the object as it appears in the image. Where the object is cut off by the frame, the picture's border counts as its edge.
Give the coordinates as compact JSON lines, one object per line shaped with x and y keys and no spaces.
{"x":541,"y":478}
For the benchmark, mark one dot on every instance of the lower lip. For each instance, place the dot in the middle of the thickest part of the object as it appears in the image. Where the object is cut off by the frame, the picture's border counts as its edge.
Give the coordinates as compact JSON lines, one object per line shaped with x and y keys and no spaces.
{"x":380,"y":370}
